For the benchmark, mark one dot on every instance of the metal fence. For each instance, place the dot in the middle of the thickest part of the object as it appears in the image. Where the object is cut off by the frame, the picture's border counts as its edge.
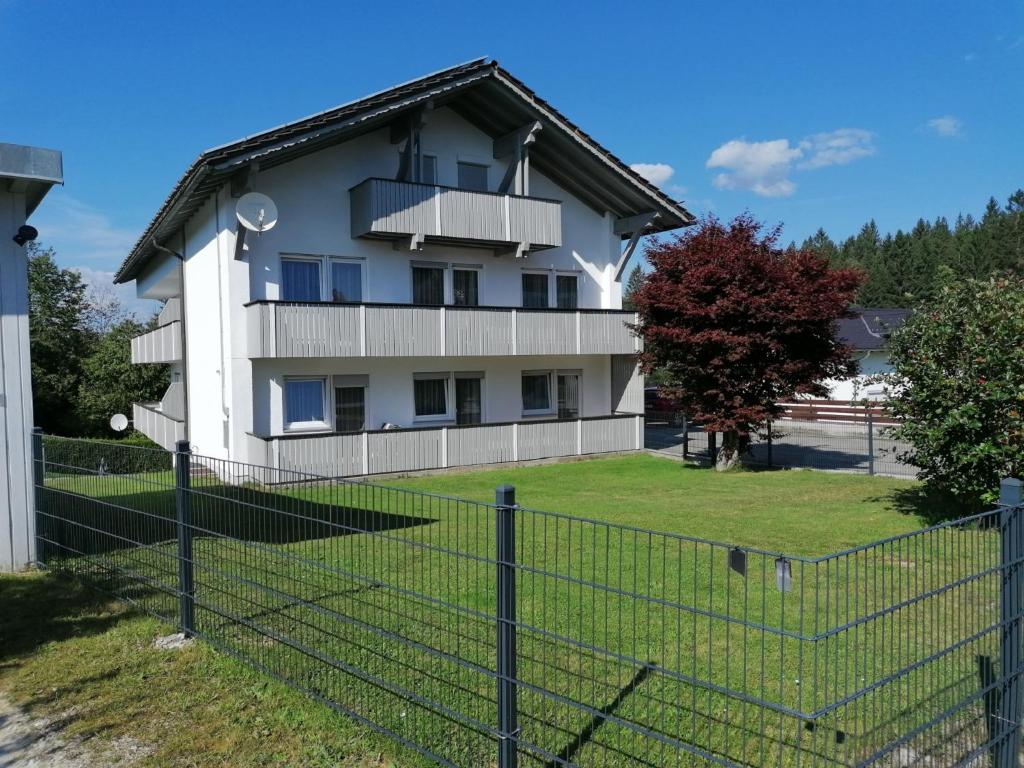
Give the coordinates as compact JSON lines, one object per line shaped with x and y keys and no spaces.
{"x":866,"y":447}
{"x":488,"y":634}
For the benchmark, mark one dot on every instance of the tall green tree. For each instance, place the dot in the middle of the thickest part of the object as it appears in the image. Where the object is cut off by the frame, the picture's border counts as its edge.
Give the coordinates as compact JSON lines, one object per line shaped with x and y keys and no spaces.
{"x":111,"y":383}
{"x":59,"y":339}
{"x":633,"y":284}
{"x":903,"y":268}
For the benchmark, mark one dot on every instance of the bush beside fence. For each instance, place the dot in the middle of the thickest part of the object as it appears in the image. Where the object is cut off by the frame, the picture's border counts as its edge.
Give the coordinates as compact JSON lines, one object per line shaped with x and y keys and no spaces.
{"x":482,"y":634}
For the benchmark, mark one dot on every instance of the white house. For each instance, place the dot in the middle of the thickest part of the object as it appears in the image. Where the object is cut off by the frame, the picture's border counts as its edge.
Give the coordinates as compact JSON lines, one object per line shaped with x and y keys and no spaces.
{"x":867,"y":332}
{"x":447,"y":259}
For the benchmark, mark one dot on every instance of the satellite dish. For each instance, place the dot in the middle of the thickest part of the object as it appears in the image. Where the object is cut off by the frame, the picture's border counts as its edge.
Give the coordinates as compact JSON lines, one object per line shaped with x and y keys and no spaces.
{"x":119,"y":422}
{"x":256,"y":212}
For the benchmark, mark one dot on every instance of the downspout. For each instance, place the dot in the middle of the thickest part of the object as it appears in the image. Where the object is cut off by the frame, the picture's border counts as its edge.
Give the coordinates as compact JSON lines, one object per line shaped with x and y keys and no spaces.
{"x":184,"y":327}
{"x":220,"y":318}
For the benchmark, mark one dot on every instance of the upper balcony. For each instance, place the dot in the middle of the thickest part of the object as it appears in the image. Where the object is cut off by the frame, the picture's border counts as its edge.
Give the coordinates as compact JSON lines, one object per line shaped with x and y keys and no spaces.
{"x":164,"y":343}
{"x":322,"y":329}
{"x":384,"y":208}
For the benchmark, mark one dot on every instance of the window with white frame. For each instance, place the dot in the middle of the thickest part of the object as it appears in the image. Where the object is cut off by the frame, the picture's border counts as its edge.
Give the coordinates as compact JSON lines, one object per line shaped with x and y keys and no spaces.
{"x":536,"y":388}
{"x":346,"y":280}
{"x":305,"y":403}
{"x":535,"y":290}
{"x":469,"y":397}
{"x":321,"y":278}
{"x":568,"y":386}
{"x":430,"y":396}
{"x":428,"y":169}
{"x":350,"y":403}
{"x":472,"y":176}
{"x":566,"y":291}
{"x":465,"y":286}
{"x":300,"y":278}
{"x":428,"y":284}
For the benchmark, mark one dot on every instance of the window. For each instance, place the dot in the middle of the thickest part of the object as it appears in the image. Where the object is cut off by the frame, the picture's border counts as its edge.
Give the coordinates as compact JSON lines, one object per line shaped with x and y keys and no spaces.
{"x":428,"y":169}
{"x":428,"y":285}
{"x":566,"y":295}
{"x":536,"y":392}
{"x":468,"y":398}
{"x":568,"y":395}
{"x":465,"y":287}
{"x":300,"y":280}
{"x":304,"y":404}
{"x":473,"y":176}
{"x":349,"y":409}
{"x":346,"y":281}
{"x":430,"y":395}
{"x":535,"y":290}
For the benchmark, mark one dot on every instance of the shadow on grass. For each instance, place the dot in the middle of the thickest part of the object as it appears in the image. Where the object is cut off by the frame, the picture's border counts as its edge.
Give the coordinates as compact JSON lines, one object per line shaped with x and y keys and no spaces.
{"x":44,"y":608}
{"x":929,"y":505}
{"x":584,"y":737}
{"x":92,"y":520}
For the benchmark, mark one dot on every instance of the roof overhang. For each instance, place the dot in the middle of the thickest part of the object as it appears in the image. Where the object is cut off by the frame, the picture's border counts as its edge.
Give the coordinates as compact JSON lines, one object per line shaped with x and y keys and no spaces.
{"x":30,"y":171}
{"x":481,"y":92}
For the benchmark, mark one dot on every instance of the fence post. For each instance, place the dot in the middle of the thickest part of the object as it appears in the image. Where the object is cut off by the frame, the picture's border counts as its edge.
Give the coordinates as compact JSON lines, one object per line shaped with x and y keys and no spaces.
{"x":871,"y":444}
{"x":1011,"y":530}
{"x":713,"y":446}
{"x":508,"y":715}
{"x":38,"y":479}
{"x":770,"y":462}
{"x":183,"y":505}
{"x":686,"y":435}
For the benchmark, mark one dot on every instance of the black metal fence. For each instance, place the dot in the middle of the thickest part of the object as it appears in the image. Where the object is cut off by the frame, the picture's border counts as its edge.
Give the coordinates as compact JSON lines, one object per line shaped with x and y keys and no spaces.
{"x":867,"y":447}
{"x":489,"y":634}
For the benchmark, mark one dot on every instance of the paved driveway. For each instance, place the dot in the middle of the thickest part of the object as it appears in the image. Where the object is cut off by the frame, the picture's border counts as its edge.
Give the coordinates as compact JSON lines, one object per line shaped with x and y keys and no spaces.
{"x":807,"y":444}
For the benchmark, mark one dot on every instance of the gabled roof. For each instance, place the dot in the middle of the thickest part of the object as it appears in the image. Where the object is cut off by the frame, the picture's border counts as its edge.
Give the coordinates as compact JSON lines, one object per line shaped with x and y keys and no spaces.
{"x":481,"y":92}
{"x":870,"y":327}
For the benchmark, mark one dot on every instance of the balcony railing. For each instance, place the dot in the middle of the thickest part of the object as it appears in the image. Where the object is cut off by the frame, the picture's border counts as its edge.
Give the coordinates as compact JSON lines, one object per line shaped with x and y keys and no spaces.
{"x":391,"y":209}
{"x":164,"y":343}
{"x":158,"y":426}
{"x":410,"y":450}
{"x":286,"y":329}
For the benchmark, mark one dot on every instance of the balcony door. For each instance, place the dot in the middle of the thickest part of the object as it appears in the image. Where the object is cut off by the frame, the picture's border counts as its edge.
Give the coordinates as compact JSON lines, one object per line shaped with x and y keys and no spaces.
{"x":568,"y":395}
{"x":469,"y":407}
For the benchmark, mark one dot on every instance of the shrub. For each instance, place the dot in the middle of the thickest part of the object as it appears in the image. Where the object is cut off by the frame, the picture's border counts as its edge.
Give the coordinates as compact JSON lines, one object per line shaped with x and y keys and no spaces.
{"x":958,"y":376}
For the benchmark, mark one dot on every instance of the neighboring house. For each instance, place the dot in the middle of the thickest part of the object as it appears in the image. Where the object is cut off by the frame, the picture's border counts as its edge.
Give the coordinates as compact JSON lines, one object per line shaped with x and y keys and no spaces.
{"x":448,"y":259}
{"x":867,"y":332}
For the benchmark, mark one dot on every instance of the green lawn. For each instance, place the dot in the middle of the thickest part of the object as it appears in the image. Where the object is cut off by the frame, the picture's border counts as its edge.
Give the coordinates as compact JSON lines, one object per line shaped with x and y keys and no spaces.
{"x":795,"y":512}
{"x":394,"y":620}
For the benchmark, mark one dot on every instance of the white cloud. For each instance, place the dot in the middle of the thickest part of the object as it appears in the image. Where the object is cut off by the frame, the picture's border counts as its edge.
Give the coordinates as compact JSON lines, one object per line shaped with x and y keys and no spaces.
{"x":836,"y":148}
{"x":656,"y":173}
{"x":764,"y":167}
{"x":946,"y":126}
{"x":80,"y":233}
{"x":760,"y":166}
{"x":103,"y":282}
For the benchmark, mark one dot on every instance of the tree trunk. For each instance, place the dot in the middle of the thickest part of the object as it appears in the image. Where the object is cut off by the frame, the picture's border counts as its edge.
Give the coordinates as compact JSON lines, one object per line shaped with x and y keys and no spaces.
{"x":729,"y":454}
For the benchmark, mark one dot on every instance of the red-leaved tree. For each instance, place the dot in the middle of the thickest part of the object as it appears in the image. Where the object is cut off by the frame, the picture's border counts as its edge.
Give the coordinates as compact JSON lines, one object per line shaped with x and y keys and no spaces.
{"x":739,"y":324}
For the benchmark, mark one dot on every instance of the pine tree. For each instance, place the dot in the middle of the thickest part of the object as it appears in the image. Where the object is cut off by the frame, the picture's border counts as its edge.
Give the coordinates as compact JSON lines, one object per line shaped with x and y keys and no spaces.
{"x":633,"y":284}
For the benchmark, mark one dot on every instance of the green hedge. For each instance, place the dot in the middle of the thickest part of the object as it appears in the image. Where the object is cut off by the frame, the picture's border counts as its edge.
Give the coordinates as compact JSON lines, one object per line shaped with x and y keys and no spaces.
{"x":132,"y":454}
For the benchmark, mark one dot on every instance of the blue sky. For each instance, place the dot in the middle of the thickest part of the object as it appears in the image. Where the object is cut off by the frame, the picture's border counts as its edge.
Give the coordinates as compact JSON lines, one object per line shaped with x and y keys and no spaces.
{"x":812,"y":114}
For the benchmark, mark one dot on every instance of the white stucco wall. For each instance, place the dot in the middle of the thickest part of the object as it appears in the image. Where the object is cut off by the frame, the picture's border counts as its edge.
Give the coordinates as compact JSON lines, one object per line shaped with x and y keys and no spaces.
{"x":231,"y":396}
{"x":390,"y":390}
{"x":312,"y":197}
{"x":871,"y":363}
